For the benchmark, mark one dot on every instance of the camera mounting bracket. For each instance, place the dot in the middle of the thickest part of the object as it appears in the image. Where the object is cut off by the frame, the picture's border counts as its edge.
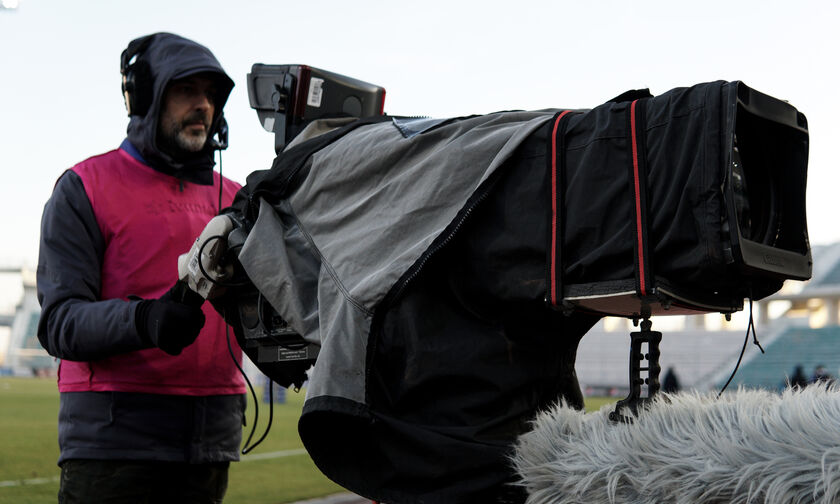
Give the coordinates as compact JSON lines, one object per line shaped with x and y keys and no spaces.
{"x":634,"y":399}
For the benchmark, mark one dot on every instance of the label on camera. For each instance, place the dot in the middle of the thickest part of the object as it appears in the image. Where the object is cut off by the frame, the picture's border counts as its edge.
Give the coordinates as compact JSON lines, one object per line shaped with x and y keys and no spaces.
{"x":316,"y":87}
{"x":193,"y":264}
{"x":287,"y":355}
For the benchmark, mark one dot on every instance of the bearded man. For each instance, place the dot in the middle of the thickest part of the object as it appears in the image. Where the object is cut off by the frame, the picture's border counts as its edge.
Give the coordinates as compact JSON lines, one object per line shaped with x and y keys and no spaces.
{"x":151,"y":402}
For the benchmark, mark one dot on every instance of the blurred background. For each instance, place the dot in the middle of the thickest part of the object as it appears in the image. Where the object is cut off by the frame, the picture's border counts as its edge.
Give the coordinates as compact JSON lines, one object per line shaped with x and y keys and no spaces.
{"x":60,"y":102}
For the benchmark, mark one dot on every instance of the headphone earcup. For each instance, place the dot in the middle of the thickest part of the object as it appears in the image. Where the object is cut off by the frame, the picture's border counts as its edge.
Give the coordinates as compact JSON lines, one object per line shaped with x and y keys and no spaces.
{"x":128,"y":92}
{"x":222,"y":134}
{"x":138,"y":87}
{"x":137,"y":77}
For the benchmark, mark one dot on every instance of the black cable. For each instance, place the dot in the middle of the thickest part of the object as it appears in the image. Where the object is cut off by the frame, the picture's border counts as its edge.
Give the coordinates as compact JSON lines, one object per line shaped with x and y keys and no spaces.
{"x":750,"y":326}
{"x":743,"y":349}
{"x":247,"y":449}
{"x":221,"y":181}
{"x":250,"y":386}
{"x":207,"y":275}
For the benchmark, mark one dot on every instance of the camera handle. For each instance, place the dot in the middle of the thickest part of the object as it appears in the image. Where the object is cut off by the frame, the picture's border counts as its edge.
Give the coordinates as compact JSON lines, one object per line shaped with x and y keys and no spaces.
{"x":634,"y":399}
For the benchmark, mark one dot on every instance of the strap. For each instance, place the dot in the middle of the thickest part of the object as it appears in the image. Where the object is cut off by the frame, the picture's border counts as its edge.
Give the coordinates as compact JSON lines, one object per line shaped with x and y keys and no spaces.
{"x":556,"y":164}
{"x":636,"y":122}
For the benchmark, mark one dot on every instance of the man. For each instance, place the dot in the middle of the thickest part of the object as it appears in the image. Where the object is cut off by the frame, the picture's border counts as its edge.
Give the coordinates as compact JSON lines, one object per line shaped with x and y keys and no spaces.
{"x":821,"y":375}
{"x":670,"y":383}
{"x":151,"y":403}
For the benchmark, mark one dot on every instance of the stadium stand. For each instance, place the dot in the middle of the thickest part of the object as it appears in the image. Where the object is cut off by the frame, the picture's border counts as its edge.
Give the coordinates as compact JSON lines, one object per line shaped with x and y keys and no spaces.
{"x":24,"y":354}
{"x":803,"y":346}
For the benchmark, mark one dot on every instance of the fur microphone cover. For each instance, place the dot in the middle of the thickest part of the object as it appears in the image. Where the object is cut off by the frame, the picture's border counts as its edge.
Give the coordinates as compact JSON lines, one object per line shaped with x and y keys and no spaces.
{"x":748,"y":446}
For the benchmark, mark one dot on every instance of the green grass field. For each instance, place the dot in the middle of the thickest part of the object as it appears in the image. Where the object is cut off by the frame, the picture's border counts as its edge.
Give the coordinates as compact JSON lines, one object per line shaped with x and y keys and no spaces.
{"x":29,"y":449}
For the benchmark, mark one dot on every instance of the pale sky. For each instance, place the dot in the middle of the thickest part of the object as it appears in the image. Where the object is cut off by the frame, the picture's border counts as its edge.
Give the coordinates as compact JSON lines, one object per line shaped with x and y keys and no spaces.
{"x":60,"y":98}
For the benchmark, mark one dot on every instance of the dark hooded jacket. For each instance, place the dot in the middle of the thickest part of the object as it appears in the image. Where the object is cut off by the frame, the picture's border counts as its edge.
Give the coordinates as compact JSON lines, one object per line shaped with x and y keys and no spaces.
{"x":82,"y":322}
{"x":168,"y":57}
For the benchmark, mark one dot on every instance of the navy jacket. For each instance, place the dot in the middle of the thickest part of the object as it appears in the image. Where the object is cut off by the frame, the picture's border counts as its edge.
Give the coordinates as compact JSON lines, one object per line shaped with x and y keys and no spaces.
{"x":121,"y":425}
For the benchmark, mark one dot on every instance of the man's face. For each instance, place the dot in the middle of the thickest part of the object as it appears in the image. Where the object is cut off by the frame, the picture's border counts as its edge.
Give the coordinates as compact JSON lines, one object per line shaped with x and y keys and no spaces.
{"x":187,"y":113}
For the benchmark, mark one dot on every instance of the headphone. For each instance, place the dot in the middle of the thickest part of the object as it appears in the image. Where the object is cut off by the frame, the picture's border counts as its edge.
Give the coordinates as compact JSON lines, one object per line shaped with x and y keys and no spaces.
{"x":222,"y":134}
{"x":136,"y":77}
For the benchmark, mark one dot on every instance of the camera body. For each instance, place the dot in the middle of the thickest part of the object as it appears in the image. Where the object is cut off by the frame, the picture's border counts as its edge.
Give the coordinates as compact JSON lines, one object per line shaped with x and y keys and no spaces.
{"x":434,"y":270}
{"x":712,"y":209}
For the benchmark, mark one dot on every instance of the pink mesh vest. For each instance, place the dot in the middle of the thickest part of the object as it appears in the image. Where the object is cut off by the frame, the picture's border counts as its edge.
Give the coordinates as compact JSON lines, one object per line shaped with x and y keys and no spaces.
{"x":147,"y":220}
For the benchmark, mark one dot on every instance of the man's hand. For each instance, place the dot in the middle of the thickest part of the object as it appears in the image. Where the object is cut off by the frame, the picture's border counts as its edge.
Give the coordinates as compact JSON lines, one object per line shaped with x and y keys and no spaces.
{"x":173,"y":321}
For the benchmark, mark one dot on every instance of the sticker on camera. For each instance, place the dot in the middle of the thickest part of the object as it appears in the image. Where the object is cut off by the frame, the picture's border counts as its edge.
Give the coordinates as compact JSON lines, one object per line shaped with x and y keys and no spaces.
{"x":316,"y":91}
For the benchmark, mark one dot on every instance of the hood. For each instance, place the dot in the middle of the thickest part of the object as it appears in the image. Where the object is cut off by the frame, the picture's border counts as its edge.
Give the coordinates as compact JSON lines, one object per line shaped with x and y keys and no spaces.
{"x":168,"y":57}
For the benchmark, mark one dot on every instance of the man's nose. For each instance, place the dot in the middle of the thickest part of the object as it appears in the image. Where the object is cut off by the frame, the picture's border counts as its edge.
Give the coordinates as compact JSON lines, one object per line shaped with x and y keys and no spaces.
{"x":203,"y":101}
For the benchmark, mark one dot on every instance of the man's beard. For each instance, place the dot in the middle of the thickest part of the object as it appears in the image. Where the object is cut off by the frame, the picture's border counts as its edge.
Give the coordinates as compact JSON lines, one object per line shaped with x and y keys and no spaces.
{"x":180,"y":141}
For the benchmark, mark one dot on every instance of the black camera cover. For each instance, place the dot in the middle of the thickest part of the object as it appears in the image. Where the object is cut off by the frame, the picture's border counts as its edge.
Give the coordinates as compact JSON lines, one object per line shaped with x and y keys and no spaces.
{"x":448,"y":273}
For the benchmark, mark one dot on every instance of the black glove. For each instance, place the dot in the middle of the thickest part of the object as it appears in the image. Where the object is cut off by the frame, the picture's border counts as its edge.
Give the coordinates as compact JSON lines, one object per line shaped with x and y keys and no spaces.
{"x":171,"y":322}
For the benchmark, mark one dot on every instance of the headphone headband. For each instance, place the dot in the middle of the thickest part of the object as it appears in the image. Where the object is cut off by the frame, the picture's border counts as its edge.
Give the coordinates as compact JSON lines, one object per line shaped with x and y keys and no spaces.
{"x":136,"y":76}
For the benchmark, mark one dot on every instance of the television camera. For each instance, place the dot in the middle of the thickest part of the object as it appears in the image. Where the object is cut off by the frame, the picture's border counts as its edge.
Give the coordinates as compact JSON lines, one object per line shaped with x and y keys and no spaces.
{"x":395,"y":253}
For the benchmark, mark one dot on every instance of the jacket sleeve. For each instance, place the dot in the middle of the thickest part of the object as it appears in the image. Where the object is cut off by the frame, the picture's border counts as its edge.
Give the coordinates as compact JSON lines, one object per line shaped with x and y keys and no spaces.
{"x":75,"y":323}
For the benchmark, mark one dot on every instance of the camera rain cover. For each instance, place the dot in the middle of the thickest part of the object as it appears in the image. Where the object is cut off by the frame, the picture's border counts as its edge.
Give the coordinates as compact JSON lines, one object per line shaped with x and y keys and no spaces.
{"x":448,"y":269}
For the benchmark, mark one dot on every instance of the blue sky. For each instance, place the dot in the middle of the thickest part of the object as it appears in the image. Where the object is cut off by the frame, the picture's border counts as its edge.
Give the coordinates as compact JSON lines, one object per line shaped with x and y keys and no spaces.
{"x":60,"y":96}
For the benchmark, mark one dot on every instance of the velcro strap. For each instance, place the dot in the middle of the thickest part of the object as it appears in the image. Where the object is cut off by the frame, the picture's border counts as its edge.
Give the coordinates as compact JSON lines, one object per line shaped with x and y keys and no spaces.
{"x":556,"y":161}
{"x":636,"y":123}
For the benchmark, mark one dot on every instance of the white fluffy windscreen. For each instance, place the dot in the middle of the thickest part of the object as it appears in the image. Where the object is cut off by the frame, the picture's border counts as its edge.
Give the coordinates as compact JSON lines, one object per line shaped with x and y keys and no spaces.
{"x":749,"y":446}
